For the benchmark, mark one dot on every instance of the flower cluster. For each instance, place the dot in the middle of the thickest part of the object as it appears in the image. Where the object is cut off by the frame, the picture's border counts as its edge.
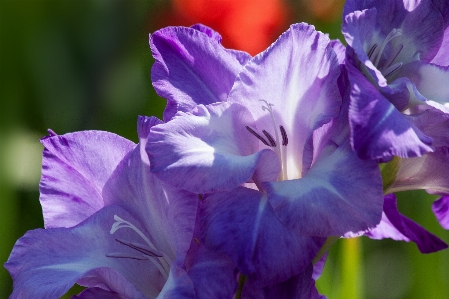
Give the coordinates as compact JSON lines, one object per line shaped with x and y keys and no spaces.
{"x":258,"y":166}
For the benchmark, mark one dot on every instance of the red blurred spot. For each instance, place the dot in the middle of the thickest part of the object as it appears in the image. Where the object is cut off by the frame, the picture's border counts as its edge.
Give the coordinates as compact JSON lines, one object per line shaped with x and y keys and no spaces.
{"x":249,"y":25}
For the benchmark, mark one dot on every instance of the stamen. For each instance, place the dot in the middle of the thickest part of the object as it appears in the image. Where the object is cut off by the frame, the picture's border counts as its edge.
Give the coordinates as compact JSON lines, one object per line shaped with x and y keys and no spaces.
{"x":270,"y":138}
{"x":371,"y":51}
{"x":393,"y":57}
{"x":126,"y":256}
{"x":278,"y":150}
{"x":257,"y":135}
{"x":159,"y":259}
{"x":392,"y":69}
{"x":140,"y":248}
{"x":394,"y":33}
{"x":284,"y":136}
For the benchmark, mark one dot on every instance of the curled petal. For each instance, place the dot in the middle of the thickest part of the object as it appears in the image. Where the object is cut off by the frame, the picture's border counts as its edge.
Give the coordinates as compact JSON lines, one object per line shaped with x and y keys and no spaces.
{"x":191,"y":68}
{"x":441,"y":210}
{"x":378,"y":129}
{"x":209,"y":150}
{"x":398,"y":227}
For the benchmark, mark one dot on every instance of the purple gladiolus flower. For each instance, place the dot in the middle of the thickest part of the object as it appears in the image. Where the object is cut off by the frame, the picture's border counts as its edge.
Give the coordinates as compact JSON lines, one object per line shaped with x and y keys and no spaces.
{"x":397,"y":63}
{"x":273,"y":157}
{"x":111,"y":226}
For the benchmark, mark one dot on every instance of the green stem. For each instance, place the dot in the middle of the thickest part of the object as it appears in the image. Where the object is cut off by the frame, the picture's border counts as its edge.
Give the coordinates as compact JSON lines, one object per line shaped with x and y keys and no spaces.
{"x":352,"y":278}
{"x":242,"y":279}
{"x":327,"y":245}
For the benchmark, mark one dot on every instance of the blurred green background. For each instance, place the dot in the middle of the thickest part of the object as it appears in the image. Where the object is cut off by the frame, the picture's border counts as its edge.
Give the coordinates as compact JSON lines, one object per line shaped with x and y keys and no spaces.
{"x":85,"y":65}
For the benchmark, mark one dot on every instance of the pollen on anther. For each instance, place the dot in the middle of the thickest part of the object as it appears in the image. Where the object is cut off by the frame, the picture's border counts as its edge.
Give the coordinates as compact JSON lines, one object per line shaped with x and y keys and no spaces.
{"x":270,"y":138}
{"x":257,"y":135}
{"x":284,"y":136}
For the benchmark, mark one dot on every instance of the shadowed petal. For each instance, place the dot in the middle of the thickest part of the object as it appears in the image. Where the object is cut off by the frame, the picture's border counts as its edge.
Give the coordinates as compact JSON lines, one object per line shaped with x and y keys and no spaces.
{"x":300,"y":286}
{"x":167,"y":213}
{"x":178,"y":285}
{"x":420,"y":42}
{"x":96,"y":293}
{"x":46,"y":263}
{"x":441,"y":210}
{"x":213,"y":274}
{"x":209,"y":150}
{"x":241,"y":223}
{"x":75,"y":167}
{"x":191,"y":68}
{"x":398,"y":227}
{"x":340,"y":193}
{"x":378,"y":129}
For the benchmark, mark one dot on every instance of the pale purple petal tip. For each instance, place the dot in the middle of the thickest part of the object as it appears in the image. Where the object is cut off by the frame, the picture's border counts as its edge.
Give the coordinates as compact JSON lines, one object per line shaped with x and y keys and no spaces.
{"x":191,"y":68}
{"x":75,"y":168}
{"x":441,"y":210}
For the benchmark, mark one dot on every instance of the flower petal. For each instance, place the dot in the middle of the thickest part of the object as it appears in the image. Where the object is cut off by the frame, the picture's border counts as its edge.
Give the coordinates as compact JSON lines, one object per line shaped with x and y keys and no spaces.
{"x":442,"y":57}
{"x":378,"y":129}
{"x":429,"y":172}
{"x":300,"y":286}
{"x":420,"y":41}
{"x":213,"y":274}
{"x":75,"y":168}
{"x":178,"y":285}
{"x":298,"y":76}
{"x":96,"y":293}
{"x":168,"y":214}
{"x":191,"y":68}
{"x":431,"y":121}
{"x":209,"y":150}
{"x":46,"y":263}
{"x":441,"y":210}
{"x":430,"y":80}
{"x":340,"y":193}
{"x":241,"y":223}
{"x":398,"y":225}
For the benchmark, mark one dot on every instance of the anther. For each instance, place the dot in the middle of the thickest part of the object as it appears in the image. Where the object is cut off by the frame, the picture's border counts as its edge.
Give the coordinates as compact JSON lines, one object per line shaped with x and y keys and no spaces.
{"x":284,"y":136}
{"x":392,"y":69}
{"x":371,"y":51}
{"x":257,"y":135}
{"x":140,"y":248}
{"x":119,"y":255}
{"x":393,"y":57}
{"x":270,"y":138}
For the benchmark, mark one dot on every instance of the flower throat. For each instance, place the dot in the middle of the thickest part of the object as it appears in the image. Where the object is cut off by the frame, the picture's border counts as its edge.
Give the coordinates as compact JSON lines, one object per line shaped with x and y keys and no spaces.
{"x":271,"y":141}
